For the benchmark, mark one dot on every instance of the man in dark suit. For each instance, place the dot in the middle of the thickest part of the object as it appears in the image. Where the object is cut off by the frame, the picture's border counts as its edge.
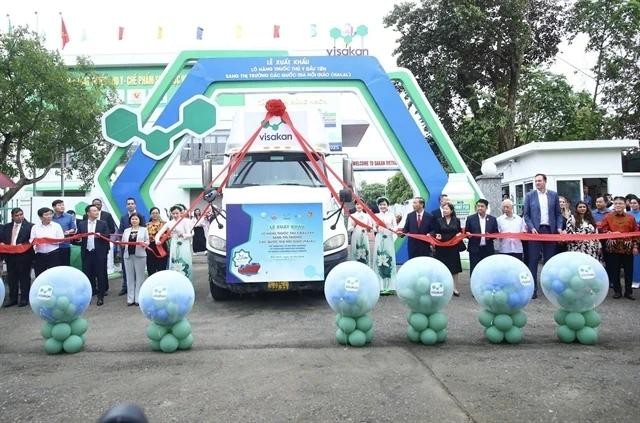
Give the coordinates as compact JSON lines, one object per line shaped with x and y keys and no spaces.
{"x":480,"y":223}
{"x":104,"y":216}
{"x":443,"y":199}
{"x":418,"y":222}
{"x":18,"y":231}
{"x":94,"y":251}
{"x":542,"y":215}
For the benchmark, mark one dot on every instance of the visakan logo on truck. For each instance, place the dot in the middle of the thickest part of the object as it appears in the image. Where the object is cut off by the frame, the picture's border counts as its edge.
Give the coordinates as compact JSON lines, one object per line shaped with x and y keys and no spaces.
{"x":348,"y":33}
{"x":276,"y":137}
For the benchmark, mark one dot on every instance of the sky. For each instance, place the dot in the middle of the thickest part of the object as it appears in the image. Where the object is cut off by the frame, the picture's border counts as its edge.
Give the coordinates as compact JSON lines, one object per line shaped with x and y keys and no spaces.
{"x":93,"y":28}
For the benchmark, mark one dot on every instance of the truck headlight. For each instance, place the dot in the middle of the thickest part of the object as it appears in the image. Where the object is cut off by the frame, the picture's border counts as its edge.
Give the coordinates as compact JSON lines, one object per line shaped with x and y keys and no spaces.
{"x":217,"y":243}
{"x":334,"y":242}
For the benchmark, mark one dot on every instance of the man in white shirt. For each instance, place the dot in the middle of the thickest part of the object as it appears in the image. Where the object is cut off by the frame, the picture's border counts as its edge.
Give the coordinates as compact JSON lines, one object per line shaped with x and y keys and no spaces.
{"x":47,"y":254}
{"x":510,"y":223}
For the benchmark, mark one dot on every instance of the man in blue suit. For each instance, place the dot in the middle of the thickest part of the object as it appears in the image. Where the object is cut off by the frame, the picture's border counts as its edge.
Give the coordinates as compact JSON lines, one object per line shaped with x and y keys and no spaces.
{"x":419,"y":221}
{"x":480,"y":223}
{"x":542,"y":216}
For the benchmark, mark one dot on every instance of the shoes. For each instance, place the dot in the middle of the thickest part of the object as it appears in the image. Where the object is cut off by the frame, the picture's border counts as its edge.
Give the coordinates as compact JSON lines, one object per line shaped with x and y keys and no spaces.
{"x":23,"y":303}
{"x":136,"y":304}
{"x":534,"y":296}
{"x":456,"y":293}
{"x":99,"y":302}
{"x":122,"y":292}
{"x":9,"y":303}
{"x":106,"y":293}
{"x":617,"y":295}
{"x":635,"y":285}
{"x":630,"y":297}
{"x":130,"y":304}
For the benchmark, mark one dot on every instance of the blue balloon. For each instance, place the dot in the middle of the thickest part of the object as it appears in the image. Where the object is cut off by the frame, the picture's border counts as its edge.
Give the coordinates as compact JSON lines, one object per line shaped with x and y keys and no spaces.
{"x":578,"y":281}
{"x":502,"y":284}
{"x":352,"y":289}
{"x":60,"y":294}
{"x":425,"y":285}
{"x":166,"y":297}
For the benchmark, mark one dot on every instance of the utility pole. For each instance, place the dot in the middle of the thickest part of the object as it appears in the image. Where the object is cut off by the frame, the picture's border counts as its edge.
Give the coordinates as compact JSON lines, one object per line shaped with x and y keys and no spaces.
{"x":62,"y":174}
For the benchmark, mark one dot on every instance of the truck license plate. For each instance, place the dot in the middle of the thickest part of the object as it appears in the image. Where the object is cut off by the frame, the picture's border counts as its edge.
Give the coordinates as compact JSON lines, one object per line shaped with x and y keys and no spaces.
{"x":278,"y":286}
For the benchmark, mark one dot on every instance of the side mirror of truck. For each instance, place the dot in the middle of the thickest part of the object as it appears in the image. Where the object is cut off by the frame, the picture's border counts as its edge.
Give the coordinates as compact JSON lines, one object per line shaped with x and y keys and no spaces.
{"x":210,"y":195}
{"x":346,"y":196}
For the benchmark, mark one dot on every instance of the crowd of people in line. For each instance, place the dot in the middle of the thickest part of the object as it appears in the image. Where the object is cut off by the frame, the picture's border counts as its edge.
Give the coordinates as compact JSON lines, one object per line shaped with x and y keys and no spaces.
{"x":140,"y":258}
{"x":544,"y":212}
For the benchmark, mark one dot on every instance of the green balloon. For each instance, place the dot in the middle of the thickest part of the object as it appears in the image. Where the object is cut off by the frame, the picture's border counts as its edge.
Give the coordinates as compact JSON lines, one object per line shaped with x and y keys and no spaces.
{"x":575,"y":321}
{"x":72,"y":344}
{"x":587,"y":335}
{"x":565,"y":334}
{"x":186,"y":342}
{"x":347,"y":324}
{"x":45,"y":330}
{"x":560,"y":315}
{"x":442,"y":335}
{"x":519,"y":319}
{"x":182,"y":329}
{"x":338,"y":317}
{"x":357,"y":338}
{"x":500,"y":298}
{"x":568,"y":295}
{"x":169,"y":343}
{"x":364,"y":323}
{"x":426,"y":302}
{"x":576,"y":283}
{"x":155,"y":345}
{"x":62,"y":302}
{"x":52,"y":346}
{"x":155,"y":331}
{"x":486,"y":318}
{"x":419,"y":321}
{"x":412,"y":334}
{"x":438,"y":321}
{"x":592,"y":318}
{"x":369,"y":335}
{"x":79,"y":326}
{"x":513,"y":335}
{"x":61,"y":331}
{"x":58,"y":314}
{"x":494,"y":335}
{"x":70,"y":310}
{"x":428,"y":337}
{"x":503,"y":322}
{"x":341,"y":337}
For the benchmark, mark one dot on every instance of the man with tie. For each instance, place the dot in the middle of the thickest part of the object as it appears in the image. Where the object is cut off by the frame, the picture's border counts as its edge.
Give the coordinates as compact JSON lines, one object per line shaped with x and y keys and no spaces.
{"x":18,"y":265}
{"x":94,"y":251}
{"x":543,"y":216}
{"x":480,"y":223}
{"x":418,"y":222}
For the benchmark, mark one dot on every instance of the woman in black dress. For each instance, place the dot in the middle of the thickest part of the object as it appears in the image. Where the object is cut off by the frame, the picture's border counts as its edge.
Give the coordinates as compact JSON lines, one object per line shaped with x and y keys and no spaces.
{"x":199,"y":237}
{"x":445,"y":228}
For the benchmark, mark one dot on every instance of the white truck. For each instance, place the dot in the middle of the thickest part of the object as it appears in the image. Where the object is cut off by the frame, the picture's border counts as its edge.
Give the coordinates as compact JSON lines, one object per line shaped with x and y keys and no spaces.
{"x":269,"y":190}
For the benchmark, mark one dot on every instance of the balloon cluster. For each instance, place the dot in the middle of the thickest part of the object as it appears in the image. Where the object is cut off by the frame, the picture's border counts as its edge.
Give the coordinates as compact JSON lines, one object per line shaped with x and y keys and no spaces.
{"x":503,"y":285}
{"x":352,"y":290}
{"x":166,"y":298}
{"x":576,"y":283}
{"x":59,"y":296}
{"x":426,"y":286}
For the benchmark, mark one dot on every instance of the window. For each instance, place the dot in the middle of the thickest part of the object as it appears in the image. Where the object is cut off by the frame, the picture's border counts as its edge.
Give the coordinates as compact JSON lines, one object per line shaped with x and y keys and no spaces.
{"x":631,"y":160}
{"x":519,"y":200}
{"x":275,"y":169}
{"x":211,"y":146}
{"x":570,"y":189}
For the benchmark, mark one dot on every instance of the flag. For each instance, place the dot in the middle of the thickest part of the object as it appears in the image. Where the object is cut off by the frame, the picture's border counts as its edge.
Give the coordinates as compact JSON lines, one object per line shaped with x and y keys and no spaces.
{"x":238,"y":31}
{"x":276,"y":31}
{"x":120,"y":33}
{"x":64,"y":35}
{"x":314,"y":30}
{"x":199,"y":32}
{"x":160,"y":33}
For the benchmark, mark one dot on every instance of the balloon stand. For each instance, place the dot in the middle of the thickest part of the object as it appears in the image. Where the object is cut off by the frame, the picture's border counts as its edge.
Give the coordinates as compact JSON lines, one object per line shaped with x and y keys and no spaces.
{"x":503,"y":327}
{"x":579,"y":327}
{"x":354,"y":331}
{"x":170,"y":338}
{"x":64,"y":337}
{"x":427,"y":329}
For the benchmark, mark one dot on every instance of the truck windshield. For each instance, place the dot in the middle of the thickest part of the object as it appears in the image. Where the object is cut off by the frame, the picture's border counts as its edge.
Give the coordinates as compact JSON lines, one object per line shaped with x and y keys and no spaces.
{"x":275,"y":169}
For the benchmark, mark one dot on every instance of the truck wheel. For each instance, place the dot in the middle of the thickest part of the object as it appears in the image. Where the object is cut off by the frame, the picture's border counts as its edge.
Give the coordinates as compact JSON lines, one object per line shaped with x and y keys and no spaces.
{"x":218,"y":293}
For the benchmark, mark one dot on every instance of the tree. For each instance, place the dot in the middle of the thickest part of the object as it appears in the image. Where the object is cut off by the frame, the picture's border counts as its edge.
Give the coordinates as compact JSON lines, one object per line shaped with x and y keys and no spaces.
{"x":369,"y":193}
{"x":398,"y":189}
{"x":613,"y":28}
{"x":469,"y":56}
{"x":48,"y":111}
